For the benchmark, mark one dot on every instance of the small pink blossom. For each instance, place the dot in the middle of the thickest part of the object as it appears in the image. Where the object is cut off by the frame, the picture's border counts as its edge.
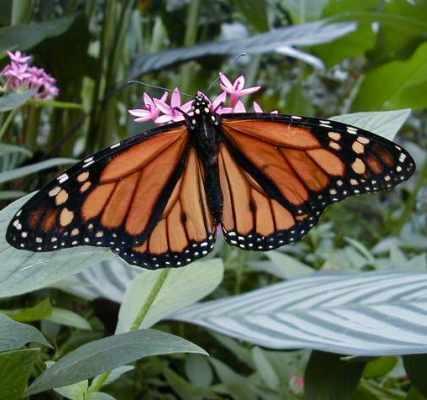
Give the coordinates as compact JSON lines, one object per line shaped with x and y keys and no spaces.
{"x":19,"y":74}
{"x":18,"y":57}
{"x":228,"y":101}
{"x":172,"y":112}
{"x":149,"y":112}
{"x":237,"y":88}
{"x":257,"y":108}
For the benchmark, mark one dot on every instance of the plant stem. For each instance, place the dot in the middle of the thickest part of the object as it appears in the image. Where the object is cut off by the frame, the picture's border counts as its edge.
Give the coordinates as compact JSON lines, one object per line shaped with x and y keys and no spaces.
{"x":7,"y":122}
{"x":136,"y":322}
{"x":150,"y":300}
{"x":411,"y":202}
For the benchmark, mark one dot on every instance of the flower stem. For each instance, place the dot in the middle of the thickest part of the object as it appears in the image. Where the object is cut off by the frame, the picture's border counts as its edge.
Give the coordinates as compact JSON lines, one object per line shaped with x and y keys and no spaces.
{"x":7,"y":122}
{"x":150,"y":300}
{"x":136,"y":322}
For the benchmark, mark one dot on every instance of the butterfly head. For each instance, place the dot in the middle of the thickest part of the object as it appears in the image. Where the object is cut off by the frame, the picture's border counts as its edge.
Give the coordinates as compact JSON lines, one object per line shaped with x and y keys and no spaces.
{"x":201,"y":110}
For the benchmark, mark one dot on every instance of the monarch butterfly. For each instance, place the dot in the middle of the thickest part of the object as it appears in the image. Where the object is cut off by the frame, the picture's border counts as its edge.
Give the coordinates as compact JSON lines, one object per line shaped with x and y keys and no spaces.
{"x":157,"y":198}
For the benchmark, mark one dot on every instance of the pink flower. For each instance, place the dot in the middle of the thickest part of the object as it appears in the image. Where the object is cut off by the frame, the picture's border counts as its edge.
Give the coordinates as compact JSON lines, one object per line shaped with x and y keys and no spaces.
{"x":236,"y":89}
{"x":296,"y":384}
{"x":149,"y":112}
{"x":257,"y":108}
{"x":21,"y":75}
{"x":172,"y":112}
{"x":18,"y":57}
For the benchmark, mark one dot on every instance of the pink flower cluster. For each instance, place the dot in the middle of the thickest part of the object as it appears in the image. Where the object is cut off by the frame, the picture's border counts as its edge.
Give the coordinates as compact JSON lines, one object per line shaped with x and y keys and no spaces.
{"x":19,"y":74}
{"x":228,"y":101}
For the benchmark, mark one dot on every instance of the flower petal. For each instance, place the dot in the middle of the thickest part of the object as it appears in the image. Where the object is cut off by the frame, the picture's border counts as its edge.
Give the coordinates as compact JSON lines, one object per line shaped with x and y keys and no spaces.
{"x":163,"y":119}
{"x":163,"y":107}
{"x":257,"y":107}
{"x":239,"y":83}
{"x":250,"y":90}
{"x":239,"y":107}
{"x":175,"y":98}
{"x":225,"y":81}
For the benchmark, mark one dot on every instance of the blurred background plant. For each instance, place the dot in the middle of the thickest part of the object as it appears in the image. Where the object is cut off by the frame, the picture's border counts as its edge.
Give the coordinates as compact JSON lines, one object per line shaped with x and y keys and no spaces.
{"x":312,"y":57}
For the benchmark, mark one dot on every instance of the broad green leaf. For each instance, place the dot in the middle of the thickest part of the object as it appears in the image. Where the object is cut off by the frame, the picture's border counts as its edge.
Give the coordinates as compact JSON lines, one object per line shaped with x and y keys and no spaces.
{"x":296,"y":35}
{"x":367,"y":314}
{"x":11,"y":156}
{"x":15,"y":370}
{"x":355,"y":43}
{"x":178,"y":288}
{"x":382,"y":123}
{"x":303,"y":11}
{"x":25,"y":36}
{"x":404,"y":24}
{"x":415,"y":366}
{"x":398,"y":84}
{"x":14,"y":100}
{"x":14,"y":335}
{"x":186,"y":390}
{"x":24,"y":271}
{"x":11,"y":194}
{"x":99,"y":396}
{"x":287,"y":267}
{"x":265,"y":369}
{"x":198,"y":370}
{"x":33,"y":168}
{"x":379,"y":367}
{"x":40,"y":311}
{"x":328,"y":377}
{"x":76,"y":391}
{"x":255,"y":12}
{"x":108,"y":353}
{"x":115,"y":374}
{"x":65,"y":317}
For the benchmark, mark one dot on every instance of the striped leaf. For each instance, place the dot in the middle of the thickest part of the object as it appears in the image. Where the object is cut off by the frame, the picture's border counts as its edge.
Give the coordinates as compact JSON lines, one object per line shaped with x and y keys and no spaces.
{"x":365,"y":314}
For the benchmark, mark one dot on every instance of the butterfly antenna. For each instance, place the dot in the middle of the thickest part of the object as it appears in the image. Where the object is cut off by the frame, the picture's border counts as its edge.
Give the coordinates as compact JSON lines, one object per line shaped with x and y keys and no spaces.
{"x":149,"y":85}
{"x":233,"y":61}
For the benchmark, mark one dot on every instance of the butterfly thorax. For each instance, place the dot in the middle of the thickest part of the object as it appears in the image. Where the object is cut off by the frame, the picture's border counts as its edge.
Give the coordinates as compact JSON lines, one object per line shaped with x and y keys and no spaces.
{"x":203,"y":125}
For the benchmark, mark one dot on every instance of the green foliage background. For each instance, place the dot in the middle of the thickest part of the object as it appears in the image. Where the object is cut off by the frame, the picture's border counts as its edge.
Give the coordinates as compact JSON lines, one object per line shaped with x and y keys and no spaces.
{"x":93,"y":48}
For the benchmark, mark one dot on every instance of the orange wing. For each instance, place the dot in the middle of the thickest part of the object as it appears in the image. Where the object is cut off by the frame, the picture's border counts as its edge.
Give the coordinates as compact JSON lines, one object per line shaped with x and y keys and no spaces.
{"x":277,"y":175}
{"x":185,"y":230}
{"x":112,"y":199}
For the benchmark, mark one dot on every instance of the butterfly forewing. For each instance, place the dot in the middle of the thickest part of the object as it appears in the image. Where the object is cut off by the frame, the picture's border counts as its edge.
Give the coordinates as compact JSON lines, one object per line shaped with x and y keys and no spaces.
{"x":301,"y":165}
{"x":110,"y":199}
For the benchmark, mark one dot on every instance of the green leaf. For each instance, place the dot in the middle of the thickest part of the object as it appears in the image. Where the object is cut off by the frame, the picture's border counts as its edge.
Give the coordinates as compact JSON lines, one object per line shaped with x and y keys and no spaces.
{"x":25,"y":36}
{"x":40,"y":311}
{"x":65,"y":317}
{"x":76,"y":391}
{"x":355,"y":43}
{"x":115,"y":374}
{"x":24,"y":271}
{"x":403,"y":26}
{"x":11,"y":194}
{"x":382,"y":123}
{"x":286,"y":267}
{"x":379,"y":367}
{"x":33,"y":168}
{"x":296,"y":35}
{"x":255,"y":12}
{"x":105,"y":354}
{"x":14,"y":100}
{"x":11,"y":156}
{"x":265,"y":369}
{"x":15,"y":370}
{"x":305,"y":10}
{"x":180,"y":288}
{"x":328,"y":377}
{"x":398,"y":84}
{"x":14,"y":335}
{"x":415,"y":366}
{"x":99,"y":396}
{"x":198,"y":370}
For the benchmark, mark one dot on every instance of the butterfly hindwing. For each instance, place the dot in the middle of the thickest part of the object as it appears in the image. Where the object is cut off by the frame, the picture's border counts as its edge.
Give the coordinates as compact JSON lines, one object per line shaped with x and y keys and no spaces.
{"x":301,"y":164}
{"x":111,"y":199}
{"x":185,"y":231}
